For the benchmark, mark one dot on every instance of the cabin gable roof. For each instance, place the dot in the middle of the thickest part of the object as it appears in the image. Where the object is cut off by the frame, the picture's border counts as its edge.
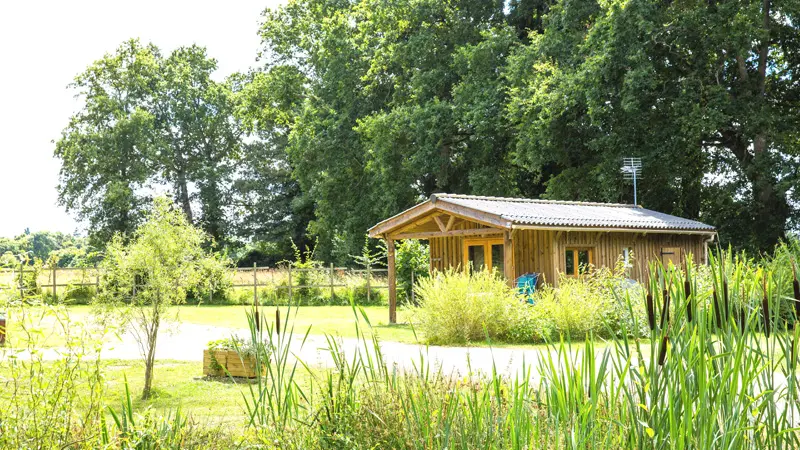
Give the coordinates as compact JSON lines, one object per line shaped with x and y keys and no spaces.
{"x":508,"y":213}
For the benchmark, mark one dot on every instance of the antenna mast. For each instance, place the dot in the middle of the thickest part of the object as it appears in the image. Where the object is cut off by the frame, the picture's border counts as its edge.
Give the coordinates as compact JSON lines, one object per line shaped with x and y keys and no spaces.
{"x":632,"y":170}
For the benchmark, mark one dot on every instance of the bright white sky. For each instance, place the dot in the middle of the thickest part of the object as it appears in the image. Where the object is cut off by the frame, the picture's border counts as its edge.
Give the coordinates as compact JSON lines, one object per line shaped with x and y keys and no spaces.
{"x":44,"y":44}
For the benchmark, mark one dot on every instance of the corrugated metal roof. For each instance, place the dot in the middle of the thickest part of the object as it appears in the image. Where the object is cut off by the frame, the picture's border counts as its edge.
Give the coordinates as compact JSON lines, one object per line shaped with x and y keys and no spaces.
{"x":572,"y":214}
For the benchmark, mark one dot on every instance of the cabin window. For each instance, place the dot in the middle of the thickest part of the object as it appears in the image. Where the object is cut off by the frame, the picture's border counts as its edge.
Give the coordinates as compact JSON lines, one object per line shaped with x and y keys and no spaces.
{"x":578,"y":260}
{"x":480,"y":254}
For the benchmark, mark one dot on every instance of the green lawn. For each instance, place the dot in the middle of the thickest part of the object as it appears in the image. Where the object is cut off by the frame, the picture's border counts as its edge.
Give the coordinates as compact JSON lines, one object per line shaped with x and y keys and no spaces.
{"x":334,"y":320}
{"x":177,"y":384}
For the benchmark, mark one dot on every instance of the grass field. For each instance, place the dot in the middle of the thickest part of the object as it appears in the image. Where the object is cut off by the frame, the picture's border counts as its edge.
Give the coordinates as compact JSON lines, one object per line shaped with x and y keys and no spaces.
{"x":177,"y":384}
{"x":334,"y":320}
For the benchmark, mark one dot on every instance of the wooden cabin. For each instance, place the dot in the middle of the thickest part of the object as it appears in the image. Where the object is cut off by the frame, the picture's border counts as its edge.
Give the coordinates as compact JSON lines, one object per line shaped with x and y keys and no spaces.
{"x":517,"y":236}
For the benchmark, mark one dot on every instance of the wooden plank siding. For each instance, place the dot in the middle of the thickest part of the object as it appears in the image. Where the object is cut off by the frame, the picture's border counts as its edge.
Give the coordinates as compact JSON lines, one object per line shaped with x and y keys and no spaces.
{"x":542,"y":251}
{"x":608,"y":248}
{"x":533,"y":252}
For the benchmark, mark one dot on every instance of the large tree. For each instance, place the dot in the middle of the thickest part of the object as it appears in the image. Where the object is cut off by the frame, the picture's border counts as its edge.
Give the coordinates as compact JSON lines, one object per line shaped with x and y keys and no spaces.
{"x":705,"y":92}
{"x":149,"y":122}
{"x":400,"y":100}
{"x":269,"y":202}
{"x":107,"y":149}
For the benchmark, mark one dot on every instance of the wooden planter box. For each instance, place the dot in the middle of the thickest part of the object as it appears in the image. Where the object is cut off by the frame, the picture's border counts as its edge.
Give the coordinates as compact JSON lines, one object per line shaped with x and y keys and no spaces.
{"x":228,"y":359}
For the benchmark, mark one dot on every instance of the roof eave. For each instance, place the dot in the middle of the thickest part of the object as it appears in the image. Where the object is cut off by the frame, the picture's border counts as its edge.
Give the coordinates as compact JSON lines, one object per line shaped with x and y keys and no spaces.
{"x":706,"y":232}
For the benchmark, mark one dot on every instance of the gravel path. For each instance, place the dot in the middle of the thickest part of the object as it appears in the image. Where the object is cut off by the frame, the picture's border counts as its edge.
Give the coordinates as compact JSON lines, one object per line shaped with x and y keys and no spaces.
{"x":186,"y":342}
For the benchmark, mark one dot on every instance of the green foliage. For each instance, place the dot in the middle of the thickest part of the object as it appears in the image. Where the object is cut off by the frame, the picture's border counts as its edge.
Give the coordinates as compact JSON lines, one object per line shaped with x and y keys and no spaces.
{"x":48,"y":404}
{"x":65,"y":250}
{"x":214,"y":280}
{"x":590,"y":305}
{"x":412,"y":257}
{"x":389,"y":100}
{"x":145,"y":431}
{"x":307,"y":274}
{"x":714,"y":128}
{"x":670,"y":388}
{"x":457,"y":308}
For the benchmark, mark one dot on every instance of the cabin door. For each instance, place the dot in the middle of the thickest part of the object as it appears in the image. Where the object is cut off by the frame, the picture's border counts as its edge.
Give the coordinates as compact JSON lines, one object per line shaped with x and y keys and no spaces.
{"x":484,"y":254}
{"x":671,"y":255}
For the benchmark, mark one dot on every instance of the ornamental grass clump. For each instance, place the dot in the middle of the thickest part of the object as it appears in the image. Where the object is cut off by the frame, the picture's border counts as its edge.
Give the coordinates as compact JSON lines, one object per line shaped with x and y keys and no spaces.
{"x":459,"y":307}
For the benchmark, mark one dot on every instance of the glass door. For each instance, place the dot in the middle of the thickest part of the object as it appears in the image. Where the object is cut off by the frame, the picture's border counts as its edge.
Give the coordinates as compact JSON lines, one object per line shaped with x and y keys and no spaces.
{"x":484,"y":254}
{"x":476,"y":256}
{"x":498,"y":262}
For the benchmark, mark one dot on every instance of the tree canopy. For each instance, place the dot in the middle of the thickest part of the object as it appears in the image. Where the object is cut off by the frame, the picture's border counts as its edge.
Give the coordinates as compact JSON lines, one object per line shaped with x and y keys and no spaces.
{"x":149,"y":123}
{"x":361,"y":108}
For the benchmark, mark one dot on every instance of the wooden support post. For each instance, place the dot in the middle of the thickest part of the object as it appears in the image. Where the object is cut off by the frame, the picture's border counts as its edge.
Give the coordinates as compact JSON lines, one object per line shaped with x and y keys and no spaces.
{"x":55,"y":297}
{"x":508,"y":258}
{"x":391,"y":281}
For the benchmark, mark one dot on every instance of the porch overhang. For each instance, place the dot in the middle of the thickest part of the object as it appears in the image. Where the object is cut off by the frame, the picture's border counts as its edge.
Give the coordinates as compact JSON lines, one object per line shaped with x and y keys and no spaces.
{"x":435,"y":218}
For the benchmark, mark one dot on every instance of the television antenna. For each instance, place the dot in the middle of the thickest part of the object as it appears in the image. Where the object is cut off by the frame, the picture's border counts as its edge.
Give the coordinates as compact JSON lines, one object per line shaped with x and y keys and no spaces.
{"x":632,"y":170}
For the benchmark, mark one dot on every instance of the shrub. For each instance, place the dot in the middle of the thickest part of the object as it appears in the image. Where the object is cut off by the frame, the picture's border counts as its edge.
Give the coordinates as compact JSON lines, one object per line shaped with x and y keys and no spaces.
{"x":306,"y":273}
{"x":214,"y":280}
{"x":593,"y":303}
{"x":412,"y":258}
{"x":360,"y":294}
{"x":457,"y":307}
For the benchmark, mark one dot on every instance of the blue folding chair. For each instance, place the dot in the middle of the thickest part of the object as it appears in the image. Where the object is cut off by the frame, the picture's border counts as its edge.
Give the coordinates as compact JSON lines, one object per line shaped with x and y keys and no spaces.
{"x":526,"y":285}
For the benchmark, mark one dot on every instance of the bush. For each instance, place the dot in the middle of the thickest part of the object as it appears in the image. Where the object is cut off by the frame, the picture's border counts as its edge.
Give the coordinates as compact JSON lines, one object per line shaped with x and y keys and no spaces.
{"x":457,"y":307}
{"x":213,"y":282}
{"x":412,"y":258}
{"x":593,"y":303}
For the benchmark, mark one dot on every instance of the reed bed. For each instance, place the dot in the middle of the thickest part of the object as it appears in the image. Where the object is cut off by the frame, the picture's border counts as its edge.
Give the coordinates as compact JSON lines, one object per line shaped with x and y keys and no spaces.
{"x":717,"y":370}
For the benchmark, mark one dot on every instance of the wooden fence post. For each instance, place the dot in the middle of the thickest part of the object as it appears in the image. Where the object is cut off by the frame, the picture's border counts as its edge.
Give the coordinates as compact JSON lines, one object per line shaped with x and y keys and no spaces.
{"x":333,"y":292}
{"x":255,"y":286}
{"x":369,"y":285}
{"x":290,"y":284}
{"x":55,"y":286}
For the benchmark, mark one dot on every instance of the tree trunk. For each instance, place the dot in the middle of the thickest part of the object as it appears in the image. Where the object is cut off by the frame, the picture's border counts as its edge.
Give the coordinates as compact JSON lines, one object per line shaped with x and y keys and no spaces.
{"x":770,"y":207}
{"x":183,"y":194}
{"x":150,"y":359}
